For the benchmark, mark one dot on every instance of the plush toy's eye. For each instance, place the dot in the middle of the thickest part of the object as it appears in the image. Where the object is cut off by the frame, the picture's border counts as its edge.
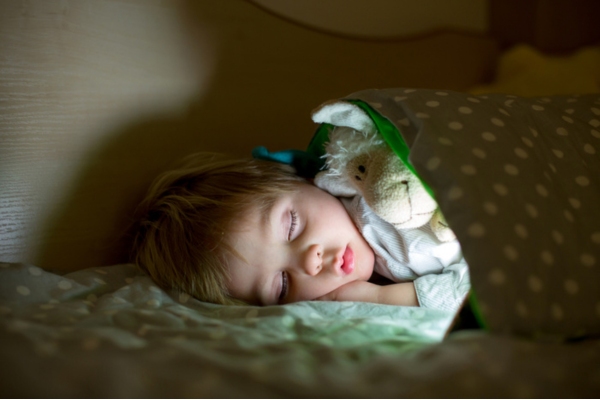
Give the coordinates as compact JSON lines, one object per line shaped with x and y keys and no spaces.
{"x":404,"y":182}
{"x":362,"y":168}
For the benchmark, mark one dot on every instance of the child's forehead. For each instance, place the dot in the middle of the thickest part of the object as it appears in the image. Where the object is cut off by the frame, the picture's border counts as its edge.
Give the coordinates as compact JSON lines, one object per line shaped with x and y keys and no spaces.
{"x":262,"y":206}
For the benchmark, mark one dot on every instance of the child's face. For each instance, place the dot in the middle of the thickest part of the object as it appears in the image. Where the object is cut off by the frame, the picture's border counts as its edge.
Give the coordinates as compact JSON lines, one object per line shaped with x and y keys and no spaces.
{"x":304,"y":247}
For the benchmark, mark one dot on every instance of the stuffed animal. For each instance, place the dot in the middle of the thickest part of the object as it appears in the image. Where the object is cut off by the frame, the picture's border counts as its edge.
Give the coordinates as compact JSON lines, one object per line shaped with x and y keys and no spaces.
{"x":359,"y":162}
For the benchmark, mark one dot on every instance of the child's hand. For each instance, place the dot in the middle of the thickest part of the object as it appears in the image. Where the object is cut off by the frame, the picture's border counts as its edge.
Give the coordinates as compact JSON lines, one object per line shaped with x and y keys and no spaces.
{"x":401,"y":294}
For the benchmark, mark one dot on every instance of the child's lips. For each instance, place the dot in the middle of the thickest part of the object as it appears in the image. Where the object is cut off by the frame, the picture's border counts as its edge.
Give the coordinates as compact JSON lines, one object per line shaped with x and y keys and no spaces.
{"x":348,"y":258}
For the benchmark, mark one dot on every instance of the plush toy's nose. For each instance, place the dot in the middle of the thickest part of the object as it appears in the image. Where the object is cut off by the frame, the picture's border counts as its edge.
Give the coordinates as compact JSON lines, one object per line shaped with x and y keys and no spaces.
{"x":391,"y":201}
{"x":393,"y":192}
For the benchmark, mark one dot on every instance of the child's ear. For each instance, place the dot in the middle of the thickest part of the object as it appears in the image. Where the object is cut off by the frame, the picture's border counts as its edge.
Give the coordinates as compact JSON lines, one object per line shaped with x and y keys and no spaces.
{"x":337,"y":185}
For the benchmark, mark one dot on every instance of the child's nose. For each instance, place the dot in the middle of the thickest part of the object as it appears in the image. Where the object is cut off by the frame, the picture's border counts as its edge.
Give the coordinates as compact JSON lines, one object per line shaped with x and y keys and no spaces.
{"x":313,"y":260}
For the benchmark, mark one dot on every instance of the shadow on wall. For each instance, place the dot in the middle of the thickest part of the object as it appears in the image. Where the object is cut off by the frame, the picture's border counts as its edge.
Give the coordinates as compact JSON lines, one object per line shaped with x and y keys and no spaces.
{"x":268,"y":76}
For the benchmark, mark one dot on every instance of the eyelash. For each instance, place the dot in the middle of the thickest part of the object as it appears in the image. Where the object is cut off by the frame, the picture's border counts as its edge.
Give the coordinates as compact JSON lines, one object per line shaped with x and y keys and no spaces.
{"x":284,"y":286}
{"x":284,"y":276}
{"x":293,"y":224}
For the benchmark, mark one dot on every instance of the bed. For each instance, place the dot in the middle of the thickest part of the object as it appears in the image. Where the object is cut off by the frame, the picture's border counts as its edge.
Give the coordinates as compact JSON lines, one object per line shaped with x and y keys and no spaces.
{"x":105,"y":104}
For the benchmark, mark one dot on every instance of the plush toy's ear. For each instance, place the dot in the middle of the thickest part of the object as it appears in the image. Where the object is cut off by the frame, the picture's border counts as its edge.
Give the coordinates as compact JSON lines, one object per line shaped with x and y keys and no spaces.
{"x":337,"y":185}
{"x":341,"y":113}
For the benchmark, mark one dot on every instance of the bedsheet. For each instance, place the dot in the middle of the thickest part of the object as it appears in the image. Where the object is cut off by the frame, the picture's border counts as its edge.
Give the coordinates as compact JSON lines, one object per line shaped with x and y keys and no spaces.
{"x":110,"y":332}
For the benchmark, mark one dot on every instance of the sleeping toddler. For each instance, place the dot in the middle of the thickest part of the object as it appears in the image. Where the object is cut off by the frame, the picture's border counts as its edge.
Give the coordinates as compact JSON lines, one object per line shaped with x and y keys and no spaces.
{"x":247,"y":231}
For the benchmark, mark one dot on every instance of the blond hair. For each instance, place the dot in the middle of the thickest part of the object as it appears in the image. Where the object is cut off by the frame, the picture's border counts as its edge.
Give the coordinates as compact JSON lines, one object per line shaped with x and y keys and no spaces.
{"x":187,"y":213}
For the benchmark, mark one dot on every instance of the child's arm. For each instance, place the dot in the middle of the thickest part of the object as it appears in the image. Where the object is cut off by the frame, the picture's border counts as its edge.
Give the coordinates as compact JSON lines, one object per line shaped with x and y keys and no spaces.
{"x":400,"y":294}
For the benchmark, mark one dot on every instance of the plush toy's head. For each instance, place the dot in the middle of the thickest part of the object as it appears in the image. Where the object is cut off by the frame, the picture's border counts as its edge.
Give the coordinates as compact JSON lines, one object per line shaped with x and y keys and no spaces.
{"x":362,"y":164}
{"x":359,"y":162}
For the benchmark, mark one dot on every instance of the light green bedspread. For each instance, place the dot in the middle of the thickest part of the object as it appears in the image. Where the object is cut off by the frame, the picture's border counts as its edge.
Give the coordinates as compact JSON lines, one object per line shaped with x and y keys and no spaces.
{"x":110,"y":332}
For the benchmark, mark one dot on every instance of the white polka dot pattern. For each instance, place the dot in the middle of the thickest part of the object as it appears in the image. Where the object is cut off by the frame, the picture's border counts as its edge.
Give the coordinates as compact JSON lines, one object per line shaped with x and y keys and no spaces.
{"x":518,"y":180}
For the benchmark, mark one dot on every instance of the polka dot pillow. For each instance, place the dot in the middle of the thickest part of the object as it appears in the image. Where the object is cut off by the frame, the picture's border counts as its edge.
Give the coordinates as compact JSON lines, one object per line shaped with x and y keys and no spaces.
{"x":518,"y":179}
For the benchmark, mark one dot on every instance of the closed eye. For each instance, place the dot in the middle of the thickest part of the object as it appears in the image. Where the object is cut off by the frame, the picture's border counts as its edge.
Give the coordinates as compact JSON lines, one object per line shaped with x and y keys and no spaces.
{"x":284,"y":287}
{"x":293,"y":224}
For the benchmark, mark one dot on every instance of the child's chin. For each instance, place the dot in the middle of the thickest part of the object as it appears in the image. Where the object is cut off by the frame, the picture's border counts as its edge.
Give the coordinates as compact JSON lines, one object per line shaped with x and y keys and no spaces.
{"x":366,"y":267}
{"x":364,"y":274}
